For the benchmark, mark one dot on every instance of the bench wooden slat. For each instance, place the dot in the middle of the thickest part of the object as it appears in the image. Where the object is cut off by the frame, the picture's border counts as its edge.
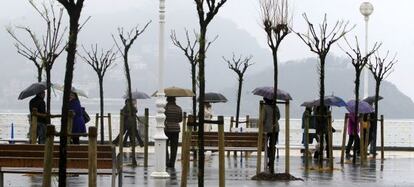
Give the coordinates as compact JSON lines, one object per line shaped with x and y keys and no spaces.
{"x":29,"y":147}
{"x":36,"y":162}
{"x":54,"y":171}
{"x":70,"y":154}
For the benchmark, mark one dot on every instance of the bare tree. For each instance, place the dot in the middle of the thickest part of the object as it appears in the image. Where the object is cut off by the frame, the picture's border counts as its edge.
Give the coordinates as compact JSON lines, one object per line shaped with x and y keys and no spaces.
{"x":190,"y":51}
{"x":380,"y":68}
{"x":126,"y":40}
{"x":46,"y":49}
{"x":320,"y":43}
{"x":99,"y":62}
{"x":206,"y":11}
{"x":74,"y":9}
{"x":239,"y":65}
{"x":359,"y":61}
{"x":276,"y":20}
{"x":30,"y":53}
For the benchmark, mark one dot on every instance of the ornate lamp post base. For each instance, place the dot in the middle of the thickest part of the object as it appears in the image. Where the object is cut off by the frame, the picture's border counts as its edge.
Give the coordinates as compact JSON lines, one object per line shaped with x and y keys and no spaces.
{"x":160,"y":139}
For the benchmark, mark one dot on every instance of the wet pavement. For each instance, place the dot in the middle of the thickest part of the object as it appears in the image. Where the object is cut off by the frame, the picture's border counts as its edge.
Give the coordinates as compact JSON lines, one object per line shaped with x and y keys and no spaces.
{"x":397,"y":170}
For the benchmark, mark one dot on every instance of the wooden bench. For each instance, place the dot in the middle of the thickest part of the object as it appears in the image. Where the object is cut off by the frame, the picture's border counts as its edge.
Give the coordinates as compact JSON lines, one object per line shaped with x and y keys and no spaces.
{"x":233,"y":141}
{"x":31,"y":158}
{"x":25,"y":158}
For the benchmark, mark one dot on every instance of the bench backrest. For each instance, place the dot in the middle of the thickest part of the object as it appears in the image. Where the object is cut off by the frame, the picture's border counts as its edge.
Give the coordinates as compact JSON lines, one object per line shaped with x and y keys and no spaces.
{"x":30,"y":155}
{"x":231,"y":139}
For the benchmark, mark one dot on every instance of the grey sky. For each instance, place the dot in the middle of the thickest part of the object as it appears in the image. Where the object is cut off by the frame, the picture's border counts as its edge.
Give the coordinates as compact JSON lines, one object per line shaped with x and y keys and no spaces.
{"x":391,"y":23}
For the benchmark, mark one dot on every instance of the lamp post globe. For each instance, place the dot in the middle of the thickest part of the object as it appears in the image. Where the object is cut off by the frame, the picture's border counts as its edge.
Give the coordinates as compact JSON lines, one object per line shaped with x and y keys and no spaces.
{"x":366,"y":9}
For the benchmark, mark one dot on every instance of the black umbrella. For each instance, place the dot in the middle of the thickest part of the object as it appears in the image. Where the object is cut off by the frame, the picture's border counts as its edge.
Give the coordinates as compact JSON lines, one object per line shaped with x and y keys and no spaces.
{"x":212,"y":97}
{"x":138,"y":95}
{"x":371,"y":99}
{"x":268,"y":92}
{"x":32,"y":90}
{"x":328,"y":100}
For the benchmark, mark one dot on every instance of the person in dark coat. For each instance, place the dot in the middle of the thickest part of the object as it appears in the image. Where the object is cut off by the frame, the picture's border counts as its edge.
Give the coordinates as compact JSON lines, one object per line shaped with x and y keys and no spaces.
{"x":78,"y":125}
{"x":269,"y":124}
{"x":311,"y":122}
{"x":39,"y":104}
{"x":173,"y":116}
{"x":353,"y":130}
{"x":128,"y":125}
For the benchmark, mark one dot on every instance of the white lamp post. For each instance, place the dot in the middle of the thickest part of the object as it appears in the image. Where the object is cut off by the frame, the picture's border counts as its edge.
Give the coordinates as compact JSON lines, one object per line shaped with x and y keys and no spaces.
{"x":366,"y":10}
{"x":159,"y":137}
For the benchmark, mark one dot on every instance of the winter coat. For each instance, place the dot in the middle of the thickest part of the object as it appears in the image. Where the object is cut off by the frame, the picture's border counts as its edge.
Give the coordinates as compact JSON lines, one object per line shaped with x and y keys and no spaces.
{"x":78,"y":125}
{"x":268,"y":119}
{"x":173,"y":116}
{"x":352,"y":125}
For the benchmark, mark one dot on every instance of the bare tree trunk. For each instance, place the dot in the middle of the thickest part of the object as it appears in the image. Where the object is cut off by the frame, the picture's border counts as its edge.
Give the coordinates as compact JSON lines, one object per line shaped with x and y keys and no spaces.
{"x":238,"y":100}
{"x":48,"y":86}
{"x":357,"y":82}
{"x":203,"y":31}
{"x":39,"y":74}
{"x":374,"y":135}
{"x":194,"y":86}
{"x":322,"y":111}
{"x":275,"y":87}
{"x":131,"y":109}
{"x":101,"y":98}
{"x":70,"y":62}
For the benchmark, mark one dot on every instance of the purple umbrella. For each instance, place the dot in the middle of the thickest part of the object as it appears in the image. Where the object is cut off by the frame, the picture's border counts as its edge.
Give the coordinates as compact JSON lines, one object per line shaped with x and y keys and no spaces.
{"x":267,"y":92}
{"x":363,"y":107}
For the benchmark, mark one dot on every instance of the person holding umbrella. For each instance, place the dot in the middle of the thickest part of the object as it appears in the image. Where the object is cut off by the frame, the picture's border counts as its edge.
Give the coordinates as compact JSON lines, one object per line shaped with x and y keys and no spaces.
{"x":311,"y":125}
{"x":209,"y":98}
{"x":39,"y":104}
{"x":208,"y":115}
{"x":353,"y":139}
{"x":78,"y":124}
{"x":128,"y":128}
{"x":173,"y":116}
{"x":268,"y":123}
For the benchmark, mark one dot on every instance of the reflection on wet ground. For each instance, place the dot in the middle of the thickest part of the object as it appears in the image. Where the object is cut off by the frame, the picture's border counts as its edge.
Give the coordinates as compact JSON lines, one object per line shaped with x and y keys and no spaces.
{"x":394,"y":172}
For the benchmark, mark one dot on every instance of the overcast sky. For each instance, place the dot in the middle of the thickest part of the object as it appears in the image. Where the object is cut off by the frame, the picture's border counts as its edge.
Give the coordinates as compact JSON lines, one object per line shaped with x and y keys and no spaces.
{"x":391,"y":23}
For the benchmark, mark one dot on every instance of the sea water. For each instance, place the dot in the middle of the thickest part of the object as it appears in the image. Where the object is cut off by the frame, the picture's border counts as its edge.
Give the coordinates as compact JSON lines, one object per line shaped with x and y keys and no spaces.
{"x":397,"y":133}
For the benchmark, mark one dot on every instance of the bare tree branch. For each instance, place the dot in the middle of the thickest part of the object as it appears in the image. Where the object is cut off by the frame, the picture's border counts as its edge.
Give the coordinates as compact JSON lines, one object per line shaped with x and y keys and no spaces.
{"x":382,"y":67}
{"x":320,"y":43}
{"x":99,"y":61}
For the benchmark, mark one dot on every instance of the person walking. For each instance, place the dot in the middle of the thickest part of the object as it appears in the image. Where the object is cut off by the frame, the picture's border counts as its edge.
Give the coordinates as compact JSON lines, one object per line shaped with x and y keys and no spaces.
{"x":269,"y":115}
{"x":311,"y":125}
{"x":128,"y":125}
{"x":39,"y":104}
{"x":208,"y":115}
{"x":78,"y":123}
{"x":353,"y":131}
{"x":173,"y":116}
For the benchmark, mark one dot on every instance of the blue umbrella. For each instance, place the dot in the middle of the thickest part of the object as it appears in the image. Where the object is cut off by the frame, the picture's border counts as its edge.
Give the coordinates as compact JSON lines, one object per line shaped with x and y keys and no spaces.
{"x":267,"y":92}
{"x":363,"y":107}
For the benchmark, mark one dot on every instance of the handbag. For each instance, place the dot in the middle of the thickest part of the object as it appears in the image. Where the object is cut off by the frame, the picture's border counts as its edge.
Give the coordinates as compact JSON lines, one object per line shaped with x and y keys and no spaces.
{"x":86,"y":117}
